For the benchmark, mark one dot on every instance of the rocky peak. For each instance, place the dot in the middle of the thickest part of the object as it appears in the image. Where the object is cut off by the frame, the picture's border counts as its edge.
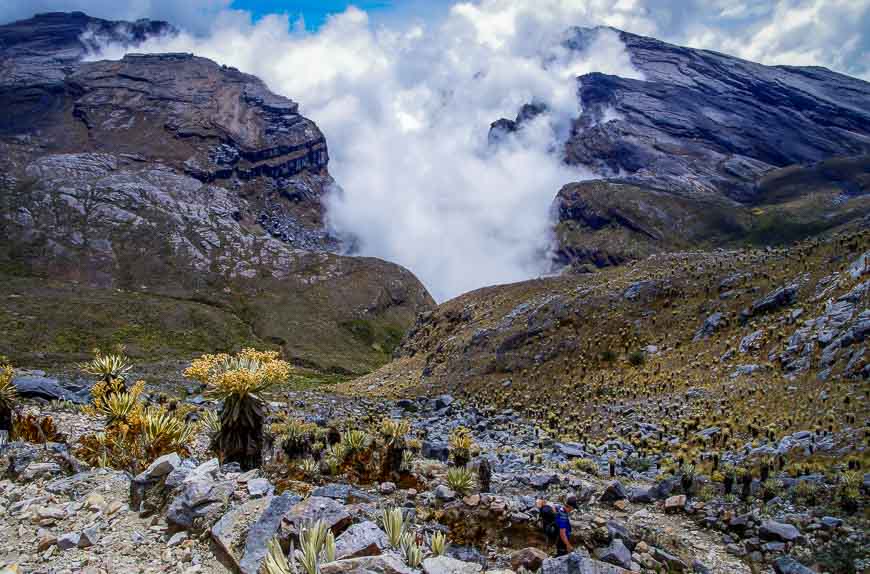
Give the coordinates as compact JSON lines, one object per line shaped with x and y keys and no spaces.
{"x":705,"y":121}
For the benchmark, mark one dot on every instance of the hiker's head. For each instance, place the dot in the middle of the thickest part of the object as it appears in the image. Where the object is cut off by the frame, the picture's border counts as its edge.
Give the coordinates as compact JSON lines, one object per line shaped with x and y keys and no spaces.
{"x":571,"y":502}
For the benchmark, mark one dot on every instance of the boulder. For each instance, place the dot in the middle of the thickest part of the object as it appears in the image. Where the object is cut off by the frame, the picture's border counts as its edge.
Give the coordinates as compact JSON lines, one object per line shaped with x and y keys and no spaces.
{"x":447,"y":565}
{"x":231,"y":530}
{"x":200,"y":504}
{"x":263,"y":530}
{"x":435,"y":450}
{"x":579,"y":562}
{"x":618,"y":531}
{"x":613,"y":491}
{"x":48,"y":388}
{"x":361,"y":539}
{"x":387,"y":563}
{"x":711,"y":325}
{"x":774,"y":300}
{"x":773,"y":530}
{"x":616,"y":553}
{"x":343,"y":492}
{"x":258,"y":487}
{"x":443,"y":401}
{"x":160,"y":467}
{"x":788,"y":565}
{"x":528,"y":558}
{"x":332,"y":513}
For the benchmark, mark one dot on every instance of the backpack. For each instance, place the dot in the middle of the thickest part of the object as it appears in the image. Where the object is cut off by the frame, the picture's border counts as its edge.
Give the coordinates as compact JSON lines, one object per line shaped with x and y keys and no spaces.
{"x":548,"y":522}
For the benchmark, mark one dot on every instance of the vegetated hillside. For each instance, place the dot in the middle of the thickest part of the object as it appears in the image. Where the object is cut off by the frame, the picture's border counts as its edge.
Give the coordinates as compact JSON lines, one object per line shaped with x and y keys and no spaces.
{"x":609,"y":222}
{"x":177,"y":201}
{"x":756,"y":343}
{"x":696,"y":153}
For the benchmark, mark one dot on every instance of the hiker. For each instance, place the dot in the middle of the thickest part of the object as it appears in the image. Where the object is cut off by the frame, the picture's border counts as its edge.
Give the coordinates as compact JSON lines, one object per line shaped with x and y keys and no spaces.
{"x":556,"y":522}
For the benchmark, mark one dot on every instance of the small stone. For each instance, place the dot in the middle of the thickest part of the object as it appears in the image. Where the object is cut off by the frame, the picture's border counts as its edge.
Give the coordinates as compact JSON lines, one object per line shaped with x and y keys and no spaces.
{"x":160,"y":467}
{"x":620,"y":505}
{"x":45,"y":540}
{"x":177,"y":539}
{"x":95,"y":502}
{"x":674,"y":503}
{"x":443,"y":492}
{"x":69,"y":540}
{"x":528,"y":558}
{"x":387,"y":488}
{"x":89,"y":537}
{"x":258,"y":487}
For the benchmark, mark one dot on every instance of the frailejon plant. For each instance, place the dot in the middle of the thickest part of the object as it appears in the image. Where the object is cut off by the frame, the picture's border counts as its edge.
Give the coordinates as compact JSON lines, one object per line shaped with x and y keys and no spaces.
{"x":461,"y":443}
{"x":394,"y":525}
{"x":411,"y":550}
{"x":460,"y":479}
{"x":8,"y":398}
{"x":135,"y":433}
{"x":438,"y":544}
{"x":238,"y":380}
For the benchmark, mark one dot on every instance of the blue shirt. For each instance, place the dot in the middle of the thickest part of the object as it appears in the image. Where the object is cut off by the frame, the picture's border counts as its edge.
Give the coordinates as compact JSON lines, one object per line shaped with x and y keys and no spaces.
{"x":563,"y":520}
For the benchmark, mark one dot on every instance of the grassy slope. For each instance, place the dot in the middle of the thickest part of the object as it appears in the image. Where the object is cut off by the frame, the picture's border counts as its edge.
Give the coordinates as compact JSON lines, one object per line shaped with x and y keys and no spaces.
{"x":562,"y":348}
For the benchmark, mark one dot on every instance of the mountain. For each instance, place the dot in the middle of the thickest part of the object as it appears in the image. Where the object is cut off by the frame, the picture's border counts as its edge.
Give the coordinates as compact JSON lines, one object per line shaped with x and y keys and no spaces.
{"x":173,"y":204}
{"x":707,"y":150}
{"x":725,"y":267}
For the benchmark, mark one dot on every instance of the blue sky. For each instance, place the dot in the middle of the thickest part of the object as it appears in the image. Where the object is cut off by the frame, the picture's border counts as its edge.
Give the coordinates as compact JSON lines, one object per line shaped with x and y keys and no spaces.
{"x":313,"y":11}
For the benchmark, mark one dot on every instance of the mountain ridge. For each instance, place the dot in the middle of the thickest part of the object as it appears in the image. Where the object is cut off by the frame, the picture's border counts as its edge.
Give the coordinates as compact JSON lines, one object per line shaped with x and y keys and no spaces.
{"x":173,"y":176}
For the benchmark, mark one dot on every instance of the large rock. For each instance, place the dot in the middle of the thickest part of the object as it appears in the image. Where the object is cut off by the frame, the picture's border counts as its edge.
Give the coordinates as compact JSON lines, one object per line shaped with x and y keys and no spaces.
{"x":332,"y":513}
{"x":528,"y":558}
{"x":579,"y":563}
{"x":774,"y":300}
{"x":617,"y":553}
{"x":773,"y":530}
{"x":48,"y":388}
{"x":230,"y":532}
{"x":711,"y":325}
{"x":387,"y":563}
{"x":788,"y":565}
{"x":199,"y":504}
{"x":263,"y":530}
{"x":448,"y":565}
{"x":361,"y":539}
{"x":613,"y":491}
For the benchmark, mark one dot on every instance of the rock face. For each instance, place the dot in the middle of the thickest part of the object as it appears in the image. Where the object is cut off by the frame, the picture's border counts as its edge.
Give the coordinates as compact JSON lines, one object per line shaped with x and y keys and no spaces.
{"x":705,"y":150}
{"x":704,"y":121}
{"x":177,"y":177}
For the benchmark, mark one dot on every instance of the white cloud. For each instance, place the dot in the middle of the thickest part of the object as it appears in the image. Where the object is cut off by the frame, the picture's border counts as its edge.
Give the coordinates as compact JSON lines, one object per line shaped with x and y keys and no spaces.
{"x":406,"y":112}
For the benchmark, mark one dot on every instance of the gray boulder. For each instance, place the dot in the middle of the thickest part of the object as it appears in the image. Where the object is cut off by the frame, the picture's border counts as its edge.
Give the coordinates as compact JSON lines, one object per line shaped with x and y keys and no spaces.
{"x":263,"y":530}
{"x":711,"y":325}
{"x":361,"y":539}
{"x":617,"y":553}
{"x":48,"y":388}
{"x":579,"y":563}
{"x":387,"y":563}
{"x":200,"y":504}
{"x":772,"y":530}
{"x":332,"y":513}
{"x":788,"y":565}
{"x":447,"y":565}
{"x":231,"y":530}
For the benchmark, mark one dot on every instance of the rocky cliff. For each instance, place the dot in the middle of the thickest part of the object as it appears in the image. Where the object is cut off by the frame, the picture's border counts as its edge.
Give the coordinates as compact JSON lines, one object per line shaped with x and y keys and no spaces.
{"x":172,"y":176}
{"x":696,"y":152}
